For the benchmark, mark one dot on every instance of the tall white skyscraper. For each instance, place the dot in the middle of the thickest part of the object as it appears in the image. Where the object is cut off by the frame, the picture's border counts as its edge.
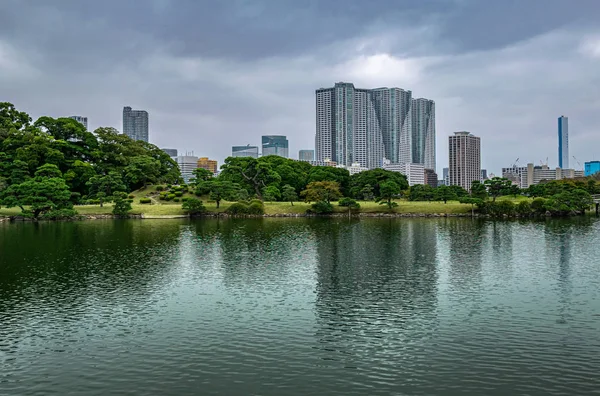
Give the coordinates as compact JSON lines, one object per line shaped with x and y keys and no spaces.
{"x":82,"y":120}
{"x":563,"y":142}
{"x":135,"y":123}
{"x":367,"y":125}
{"x":464,"y":159}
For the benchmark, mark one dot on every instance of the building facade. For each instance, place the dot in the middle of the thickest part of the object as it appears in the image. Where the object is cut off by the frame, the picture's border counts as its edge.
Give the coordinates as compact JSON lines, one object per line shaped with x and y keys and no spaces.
{"x":464,"y":159}
{"x":187,"y":164}
{"x":208,"y":164}
{"x":135,"y":124}
{"x":563,"y":142}
{"x":415,"y":173}
{"x":306,"y":155}
{"x":171,"y":152}
{"x":244,"y":151}
{"x":366,"y":126}
{"x":592,"y":167}
{"x":431,"y":178}
{"x":525,"y":176}
{"x":82,"y":120}
{"x":275,"y":145}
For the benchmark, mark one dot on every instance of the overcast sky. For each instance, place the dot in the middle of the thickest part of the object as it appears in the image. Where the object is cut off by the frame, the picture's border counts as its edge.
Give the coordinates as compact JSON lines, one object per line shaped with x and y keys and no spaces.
{"x":217,"y":73}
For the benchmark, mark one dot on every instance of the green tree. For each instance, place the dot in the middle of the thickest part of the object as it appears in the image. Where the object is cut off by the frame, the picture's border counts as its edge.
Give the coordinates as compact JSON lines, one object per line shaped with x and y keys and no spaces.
{"x":193,"y":206}
{"x":45,"y":192}
{"x":367,"y":193}
{"x":289,"y":194}
{"x":271,"y":193}
{"x":472,"y":201}
{"x":142,"y":170}
{"x":349,"y":203}
{"x":201,"y":175}
{"x":478,"y":190}
{"x":444,"y":193}
{"x":387,"y":192}
{"x":102,"y":186}
{"x":421,"y":192}
{"x":255,"y":173}
{"x":496,"y":186}
{"x":374,"y":178}
{"x":121,"y":205}
{"x":221,"y":190}
{"x":326,"y":191}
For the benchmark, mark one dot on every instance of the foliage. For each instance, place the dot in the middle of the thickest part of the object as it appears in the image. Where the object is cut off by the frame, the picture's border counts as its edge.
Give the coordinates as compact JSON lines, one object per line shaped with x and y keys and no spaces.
{"x":567,"y":202}
{"x":374,"y":178}
{"x":322,"y":191}
{"x":160,"y":188}
{"x":367,"y":193}
{"x":193,"y":206}
{"x":421,"y":192}
{"x":349,"y":203}
{"x":321,"y":207}
{"x":288,"y":194}
{"x":201,"y":174}
{"x":271,"y":193}
{"x":253,"y":173}
{"x":121,"y":206}
{"x":478,"y":190}
{"x":218,"y":190}
{"x":387,"y":192}
{"x":538,"y":205}
{"x":524,"y":209}
{"x":145,"y":200}
{"x":496,"y":186}
{"x":444,"y":193}
{"x":60,"y":214}
{"x":256,"y":207}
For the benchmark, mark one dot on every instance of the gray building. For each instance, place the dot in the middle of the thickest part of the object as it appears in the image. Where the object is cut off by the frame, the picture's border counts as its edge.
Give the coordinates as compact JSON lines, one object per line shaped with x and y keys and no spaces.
{"x":306,"y":155}
{"x":275,"y":145}
{"x":170,"y":152}
{"x":367,"y":125}
{"x":483,"y":175}
{"x":187,"y":164}
{"x":82,"y":120}
{"x":244,"y":151}
{"x":465,"y":159}
{"x":135,"y":123}
{"x":563,"y":142}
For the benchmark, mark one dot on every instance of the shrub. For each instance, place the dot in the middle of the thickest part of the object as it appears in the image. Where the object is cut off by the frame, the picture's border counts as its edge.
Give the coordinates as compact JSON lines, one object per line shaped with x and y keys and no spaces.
{"x":538,"y":205}
{"x":524,"y":208}
{"x":178,"y":193}
{"x":162,"y":197}
{"x":193,"y":206}
{"x":130,"y":200}
{"x":187,"y":199}
{"x":160,"y":188}
{"x":169,"y":186}
{"x":176,"y":199}
{"x":322,"y":207}
{"x":145,"y":200}
{"x":256,"y":207}
{"x":237,"y":208}
{"x":170,"y":197}
{"x":122,"y":206}
{"x":60,"y":214}
{"x":131,"y":196}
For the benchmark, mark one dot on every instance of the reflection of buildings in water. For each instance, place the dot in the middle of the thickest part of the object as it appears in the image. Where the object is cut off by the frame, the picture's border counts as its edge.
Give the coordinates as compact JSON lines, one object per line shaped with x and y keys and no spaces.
{"x":375,"y":279}
{"x":502,"y":242}
{"x":466,"y":239}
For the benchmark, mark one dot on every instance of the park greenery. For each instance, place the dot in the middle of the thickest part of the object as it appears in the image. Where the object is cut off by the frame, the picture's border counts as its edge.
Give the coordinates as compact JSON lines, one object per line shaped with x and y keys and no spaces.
{"x":51,"y":167}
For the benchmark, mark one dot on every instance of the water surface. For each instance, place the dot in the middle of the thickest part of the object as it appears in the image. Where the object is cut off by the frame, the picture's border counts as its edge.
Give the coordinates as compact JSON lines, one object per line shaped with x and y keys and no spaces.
{"x":300,"y":307}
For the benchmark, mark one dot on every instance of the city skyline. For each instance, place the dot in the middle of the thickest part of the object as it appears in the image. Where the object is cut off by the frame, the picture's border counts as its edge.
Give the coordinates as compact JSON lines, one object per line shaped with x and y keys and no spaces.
{"x":205,"y":96}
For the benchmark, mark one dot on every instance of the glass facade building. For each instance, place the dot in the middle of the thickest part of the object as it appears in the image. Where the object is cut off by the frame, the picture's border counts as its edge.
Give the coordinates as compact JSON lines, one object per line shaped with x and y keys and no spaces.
{"x":275,"y":145}
{"x":135,"y":124}
{"x":244,"y":151}
{"x":306,"y":155}
{"x":563,"y":142}
{"x":592,"y":167}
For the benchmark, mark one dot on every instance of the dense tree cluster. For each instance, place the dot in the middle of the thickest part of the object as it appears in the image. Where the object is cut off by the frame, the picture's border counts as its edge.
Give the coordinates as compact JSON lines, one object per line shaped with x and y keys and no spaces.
{"x":51,"y":164}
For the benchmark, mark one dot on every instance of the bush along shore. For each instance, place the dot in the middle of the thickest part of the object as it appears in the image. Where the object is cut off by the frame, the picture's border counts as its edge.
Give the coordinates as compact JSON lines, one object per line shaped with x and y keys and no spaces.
{"x":54,"y":169}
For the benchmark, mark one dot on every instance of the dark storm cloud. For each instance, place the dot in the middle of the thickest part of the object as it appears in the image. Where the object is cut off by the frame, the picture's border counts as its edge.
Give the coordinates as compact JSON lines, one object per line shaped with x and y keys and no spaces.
{"x":218,"y":73}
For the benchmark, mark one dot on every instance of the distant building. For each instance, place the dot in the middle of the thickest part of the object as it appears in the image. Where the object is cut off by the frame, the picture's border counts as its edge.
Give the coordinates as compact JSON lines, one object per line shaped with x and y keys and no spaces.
{"x":135,"y":124}
{"x":171,"y":152}
{"x":563,"y":142}
{"x":431,"y":178}
{"x":525,"y":176}
{"x":446,"y":176}
{"x":483,"y":175}
{"x":306,"y":155}
{"x":187,"y":164}
{"x":354,"y":168}
{"x":82,"y":120}
{"x":415,"y":173}
{"x":592,"y":167}
{"x":323,"y":163}
{"x":244,"y":151}
{"x":465,"y":159}
{"x":208,"y":164}
{"x":275,"y":145}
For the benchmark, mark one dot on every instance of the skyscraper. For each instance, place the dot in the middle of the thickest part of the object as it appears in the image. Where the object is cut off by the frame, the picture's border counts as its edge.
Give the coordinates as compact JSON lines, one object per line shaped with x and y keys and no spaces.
{"x":135,"y":123}
{"x":82,"y":120}
{"x":275,"y":145}
{"x":244,"y":151}
{"x":171,"y":152}
{"x":563,"y":142}
{"x":465,"y":159}
{"x":423,"y":132}
{"x":306,"y":155}
{"x":367,"y":125}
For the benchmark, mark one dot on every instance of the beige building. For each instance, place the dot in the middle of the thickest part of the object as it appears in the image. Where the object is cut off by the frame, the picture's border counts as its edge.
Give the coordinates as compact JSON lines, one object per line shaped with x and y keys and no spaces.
{"x":208,"y":164}
{"x":415,"y":173}
{"x":525,"y":176}
{"x":464,"y":159}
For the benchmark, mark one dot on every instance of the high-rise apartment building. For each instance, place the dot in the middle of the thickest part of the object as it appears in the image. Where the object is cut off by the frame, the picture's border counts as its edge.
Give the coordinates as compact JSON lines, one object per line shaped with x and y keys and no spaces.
{"x":367,"y":125}
{"x":464,"y":159}
{"x":275,"y":145}
{"x":563,"y":142}
{"x":306,"y":155}
{"x":82,"y":120}
{"x":135,"y":123}
{"x":208,"y":164}
{"x":244,"y":151}
{"x":171,"y":152}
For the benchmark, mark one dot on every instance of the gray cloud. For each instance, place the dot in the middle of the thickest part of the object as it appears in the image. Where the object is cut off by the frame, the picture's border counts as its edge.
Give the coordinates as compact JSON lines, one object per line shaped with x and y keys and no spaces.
{"x":217,"y":73}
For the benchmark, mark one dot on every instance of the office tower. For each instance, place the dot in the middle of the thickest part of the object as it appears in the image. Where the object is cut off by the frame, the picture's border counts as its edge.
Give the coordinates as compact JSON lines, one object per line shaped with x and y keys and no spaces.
{"x":244,"y":151}
{"x":82,"y":120}
{"x":431,"y":178}
{"x":415,"y":173}
{"x":563,"y":142}
{"x":592,"y":167}
{"x":446,"y":176}
{"x":306,"y":155}
{"x":275,"y":145}
{"x":187,"y":164}
{"x":483,"y":175}
{"x":171,"y":152}
{"x":367,"y":125}
{"x":465,"y":159}
{"x":423,"y":132}
{"x":208,"y":164}
{"x":348,"y":130}
{"x":135,"y":123}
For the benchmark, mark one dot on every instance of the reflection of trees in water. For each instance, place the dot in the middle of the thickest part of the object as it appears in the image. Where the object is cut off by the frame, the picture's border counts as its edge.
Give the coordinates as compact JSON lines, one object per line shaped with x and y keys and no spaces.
{"x":376,"y":279}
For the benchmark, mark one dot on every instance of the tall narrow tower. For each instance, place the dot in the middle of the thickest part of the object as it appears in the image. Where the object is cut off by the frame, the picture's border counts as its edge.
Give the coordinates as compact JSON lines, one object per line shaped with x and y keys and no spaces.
{"x":464,"y":159}
{"x":135,"y":123}
{"x":563,"y":142}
